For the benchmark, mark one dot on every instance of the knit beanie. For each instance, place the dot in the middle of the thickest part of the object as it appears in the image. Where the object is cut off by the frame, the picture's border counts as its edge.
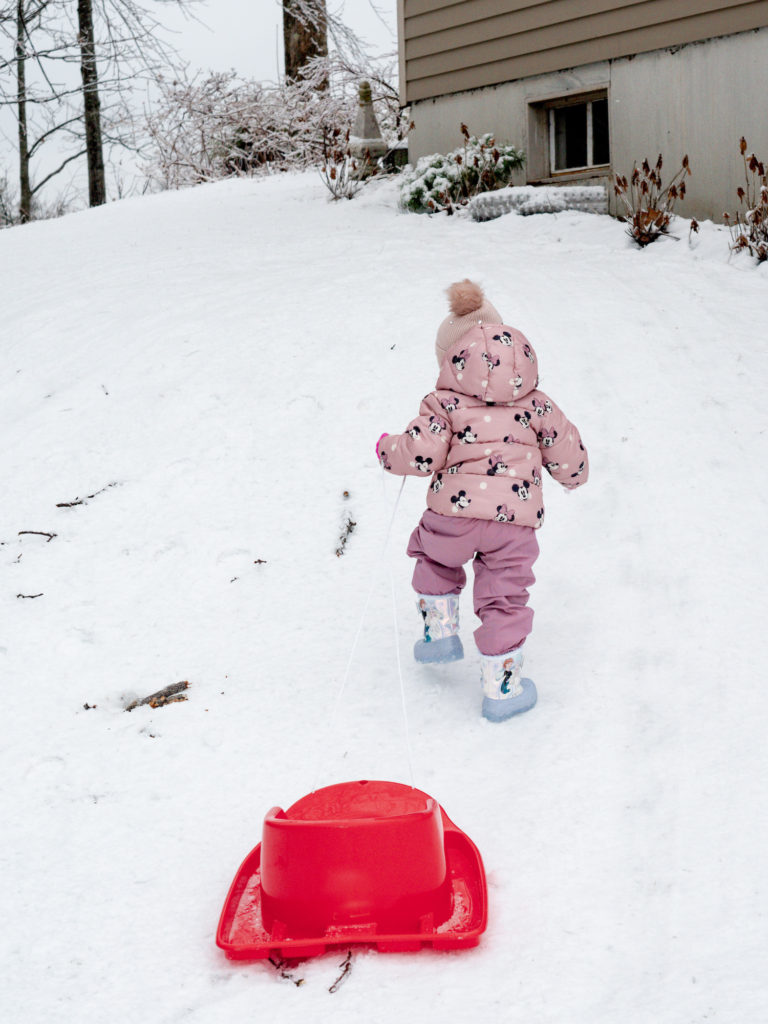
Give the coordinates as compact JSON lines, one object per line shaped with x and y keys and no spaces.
{"x":468,"y":307}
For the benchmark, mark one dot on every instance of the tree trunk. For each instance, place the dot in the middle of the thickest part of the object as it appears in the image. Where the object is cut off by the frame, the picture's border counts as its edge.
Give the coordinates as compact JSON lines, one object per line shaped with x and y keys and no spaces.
{"x":305,"y":33}
{"x":97,"y":192}
{"x":25,"y":189}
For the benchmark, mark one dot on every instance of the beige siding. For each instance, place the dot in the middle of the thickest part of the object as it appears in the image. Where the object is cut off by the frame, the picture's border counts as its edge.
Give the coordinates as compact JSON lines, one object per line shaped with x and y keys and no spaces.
{"x":449,"y":46}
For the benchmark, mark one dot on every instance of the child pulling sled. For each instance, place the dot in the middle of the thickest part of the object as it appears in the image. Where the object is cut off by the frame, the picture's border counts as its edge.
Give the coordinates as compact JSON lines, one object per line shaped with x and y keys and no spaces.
{"x":484,"y":435}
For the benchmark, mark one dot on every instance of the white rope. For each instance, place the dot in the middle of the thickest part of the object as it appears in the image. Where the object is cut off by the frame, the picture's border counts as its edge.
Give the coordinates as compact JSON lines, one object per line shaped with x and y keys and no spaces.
{"x":409,"y":752}
{"x":331,"y":728}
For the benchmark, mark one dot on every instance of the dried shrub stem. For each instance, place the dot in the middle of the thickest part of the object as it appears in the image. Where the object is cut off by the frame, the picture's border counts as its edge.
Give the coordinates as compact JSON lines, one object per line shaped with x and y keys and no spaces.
{"x":749,"y":228}
{"x":648,"y":205}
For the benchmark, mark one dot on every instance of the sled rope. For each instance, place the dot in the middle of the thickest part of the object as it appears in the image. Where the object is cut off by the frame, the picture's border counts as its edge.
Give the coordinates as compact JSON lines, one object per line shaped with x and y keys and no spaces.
{"x":331,"y":728}
{"x":406,"y":730}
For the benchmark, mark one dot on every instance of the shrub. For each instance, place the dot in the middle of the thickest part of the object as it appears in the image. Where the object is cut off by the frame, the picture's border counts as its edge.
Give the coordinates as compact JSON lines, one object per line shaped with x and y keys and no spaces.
{"x":56,"y":206}
{"x":8,"y":203}
{"x":444,"y":182}
{"x":220,"y":125}
{"x":339,"y":170}
{"x":750,"y":229}
{"x":649,"y":206}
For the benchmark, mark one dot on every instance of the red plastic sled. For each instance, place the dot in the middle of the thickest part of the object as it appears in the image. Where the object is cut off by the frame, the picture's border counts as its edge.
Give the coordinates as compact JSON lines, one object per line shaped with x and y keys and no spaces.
{"x":371,"y":862}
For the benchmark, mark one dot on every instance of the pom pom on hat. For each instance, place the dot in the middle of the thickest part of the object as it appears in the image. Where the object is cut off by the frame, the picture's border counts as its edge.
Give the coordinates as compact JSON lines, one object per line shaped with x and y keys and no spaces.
{"x":468,"y":306}
{"x":464,"y":297}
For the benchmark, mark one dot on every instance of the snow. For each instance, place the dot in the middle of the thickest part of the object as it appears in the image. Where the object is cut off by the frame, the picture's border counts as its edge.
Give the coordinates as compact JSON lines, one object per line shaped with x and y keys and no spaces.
{"x":532,"y":199}
{"x":226,"y":358}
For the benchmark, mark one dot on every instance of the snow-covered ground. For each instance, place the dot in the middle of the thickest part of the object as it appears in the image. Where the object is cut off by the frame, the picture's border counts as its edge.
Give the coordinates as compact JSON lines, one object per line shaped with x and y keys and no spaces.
{"x":226,"y":358}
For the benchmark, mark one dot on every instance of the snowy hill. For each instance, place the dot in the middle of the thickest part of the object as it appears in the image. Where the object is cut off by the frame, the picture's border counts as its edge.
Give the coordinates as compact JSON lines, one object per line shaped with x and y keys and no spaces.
{"x":214,"y":367}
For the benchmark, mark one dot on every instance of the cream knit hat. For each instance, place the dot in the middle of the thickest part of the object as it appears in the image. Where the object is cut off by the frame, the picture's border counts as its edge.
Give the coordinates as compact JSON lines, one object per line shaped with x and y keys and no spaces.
{"x":468,"y":307}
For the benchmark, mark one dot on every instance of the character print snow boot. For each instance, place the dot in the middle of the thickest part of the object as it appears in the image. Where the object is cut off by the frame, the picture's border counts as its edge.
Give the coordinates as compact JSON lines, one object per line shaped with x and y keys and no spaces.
{"x":441,"y":641}
{"x":504,"y":692}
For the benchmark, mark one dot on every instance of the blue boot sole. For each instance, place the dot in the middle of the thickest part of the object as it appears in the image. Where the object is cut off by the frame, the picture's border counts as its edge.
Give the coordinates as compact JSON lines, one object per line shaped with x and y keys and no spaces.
{"x":438,"y":652}
{"x":507,"y":707}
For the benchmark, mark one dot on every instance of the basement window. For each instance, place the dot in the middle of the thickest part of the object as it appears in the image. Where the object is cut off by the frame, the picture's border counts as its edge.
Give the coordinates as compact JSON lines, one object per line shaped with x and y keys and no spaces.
{"x":578,"y":134}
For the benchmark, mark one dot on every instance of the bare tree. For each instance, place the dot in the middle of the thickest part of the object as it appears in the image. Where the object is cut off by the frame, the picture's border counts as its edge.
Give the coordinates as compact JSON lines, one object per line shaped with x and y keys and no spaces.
{"x":305,"y":34}
{"x":126,"y":38}
{"x":26,"y":24}
{"x":25,"y":201}
{"x":94,"y":148}
{"x":308,"y":26}
{"x":113,"y":44}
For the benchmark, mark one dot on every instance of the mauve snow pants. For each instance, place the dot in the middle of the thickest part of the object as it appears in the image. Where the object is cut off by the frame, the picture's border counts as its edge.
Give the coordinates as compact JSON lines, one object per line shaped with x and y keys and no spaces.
{"x":503,"y":558}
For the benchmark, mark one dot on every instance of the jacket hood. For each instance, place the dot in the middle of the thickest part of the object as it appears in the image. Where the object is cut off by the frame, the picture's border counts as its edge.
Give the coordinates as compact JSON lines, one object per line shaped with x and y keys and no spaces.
{"x":491,"y":362}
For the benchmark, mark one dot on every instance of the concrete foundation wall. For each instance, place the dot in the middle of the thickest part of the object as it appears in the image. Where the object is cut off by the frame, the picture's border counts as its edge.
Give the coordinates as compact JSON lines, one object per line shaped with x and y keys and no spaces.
{"x":697,"y":99}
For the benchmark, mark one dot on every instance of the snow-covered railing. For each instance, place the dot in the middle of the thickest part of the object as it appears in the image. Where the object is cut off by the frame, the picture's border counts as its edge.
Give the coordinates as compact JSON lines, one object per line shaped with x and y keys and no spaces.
{"x":528,"y":199}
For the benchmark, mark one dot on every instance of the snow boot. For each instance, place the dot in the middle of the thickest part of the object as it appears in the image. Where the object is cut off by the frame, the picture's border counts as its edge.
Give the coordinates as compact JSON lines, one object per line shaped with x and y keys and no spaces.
{"x":441,"y":641}
{"x":504,"y":693}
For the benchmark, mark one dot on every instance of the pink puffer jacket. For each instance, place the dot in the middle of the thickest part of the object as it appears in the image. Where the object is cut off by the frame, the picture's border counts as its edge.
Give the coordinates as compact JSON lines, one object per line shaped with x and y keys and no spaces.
{"x":486,"y":432}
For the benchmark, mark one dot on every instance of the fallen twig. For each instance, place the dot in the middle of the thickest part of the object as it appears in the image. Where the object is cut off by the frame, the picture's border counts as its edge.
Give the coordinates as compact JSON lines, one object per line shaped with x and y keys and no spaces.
{"x":348,"y":526}
{"x":346,"y":967}
{"x":30,"y":596}
{"x":280,"y":966}
{"x":82,"y":501}
{"x":169,"y":695}
{"x":39,"y":533}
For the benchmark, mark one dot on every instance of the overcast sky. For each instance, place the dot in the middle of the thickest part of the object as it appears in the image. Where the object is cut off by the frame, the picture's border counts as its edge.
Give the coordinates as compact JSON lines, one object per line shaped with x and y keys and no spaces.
{"x":247,"y":34}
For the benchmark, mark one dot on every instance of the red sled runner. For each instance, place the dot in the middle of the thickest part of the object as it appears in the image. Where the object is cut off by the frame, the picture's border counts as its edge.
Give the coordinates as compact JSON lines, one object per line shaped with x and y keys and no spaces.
{"x":359,"y":862}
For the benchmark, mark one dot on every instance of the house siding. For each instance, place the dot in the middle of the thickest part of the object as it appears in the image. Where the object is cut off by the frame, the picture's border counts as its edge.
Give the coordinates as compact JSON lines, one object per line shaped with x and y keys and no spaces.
{"x":696,"y":99}
{"x":448,"y":47}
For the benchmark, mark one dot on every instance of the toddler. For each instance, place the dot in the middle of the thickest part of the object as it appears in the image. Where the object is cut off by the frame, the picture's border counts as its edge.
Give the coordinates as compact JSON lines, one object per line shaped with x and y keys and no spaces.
{"x":484,"y":435}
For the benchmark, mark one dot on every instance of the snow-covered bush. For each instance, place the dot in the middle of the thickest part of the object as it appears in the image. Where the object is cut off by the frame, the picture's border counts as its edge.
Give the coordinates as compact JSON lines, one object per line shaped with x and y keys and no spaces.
{"x":649,"y":207}
{"x":223,"y":126}
{"x":57,"y":205}
{"x":440,"y":182}
{"x":749,"y":230}
{"x":8,"y":203}
{"x":339,"y":170}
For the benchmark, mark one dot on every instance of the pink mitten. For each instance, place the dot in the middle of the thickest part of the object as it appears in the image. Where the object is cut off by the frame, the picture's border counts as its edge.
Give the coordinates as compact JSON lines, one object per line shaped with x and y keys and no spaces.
{"x":379,"y":442}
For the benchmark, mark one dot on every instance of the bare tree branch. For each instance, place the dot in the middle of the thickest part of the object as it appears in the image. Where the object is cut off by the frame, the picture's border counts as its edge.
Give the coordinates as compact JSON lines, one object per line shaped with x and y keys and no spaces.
{"x":59,"y":169}
{"x":168,"y":695}
{"x":56,"y":128}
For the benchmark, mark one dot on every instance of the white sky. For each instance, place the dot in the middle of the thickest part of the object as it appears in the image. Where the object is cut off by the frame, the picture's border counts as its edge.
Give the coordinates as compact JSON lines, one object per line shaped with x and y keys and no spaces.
{"x":247,"y":34}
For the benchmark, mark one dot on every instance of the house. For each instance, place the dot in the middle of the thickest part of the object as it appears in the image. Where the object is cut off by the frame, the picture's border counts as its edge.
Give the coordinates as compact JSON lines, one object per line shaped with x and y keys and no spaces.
{"x":589,"y":87}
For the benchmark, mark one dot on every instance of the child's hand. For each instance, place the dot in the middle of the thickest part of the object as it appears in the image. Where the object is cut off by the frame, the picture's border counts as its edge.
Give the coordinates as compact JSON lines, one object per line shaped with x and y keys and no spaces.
{"x":378,"y":443}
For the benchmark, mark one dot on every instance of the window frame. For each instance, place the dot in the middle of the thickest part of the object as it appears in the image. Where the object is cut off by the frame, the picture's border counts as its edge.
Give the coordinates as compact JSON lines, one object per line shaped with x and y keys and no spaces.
{"x":590,"y":164}
{"x":542,"y":133}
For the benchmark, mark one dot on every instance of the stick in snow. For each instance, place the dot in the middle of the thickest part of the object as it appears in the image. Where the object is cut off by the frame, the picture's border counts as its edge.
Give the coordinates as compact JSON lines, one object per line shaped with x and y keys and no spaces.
{"x":39,"y":533}
{"x":30,"y":596}
{"x":280,"y":966}
{"x":346,"y":967}
{"x":169,"y":695}
{"x":348,"y":526}
{"x":82,"y":501}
